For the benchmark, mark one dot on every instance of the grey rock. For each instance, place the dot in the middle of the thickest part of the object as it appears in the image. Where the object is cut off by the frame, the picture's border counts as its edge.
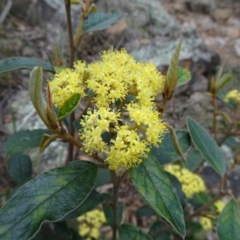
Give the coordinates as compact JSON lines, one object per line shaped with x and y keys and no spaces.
{"x":160,"y":51}
{"x":221,"y":15}
{"x":232,"y":32}
{"x":149,"y":15}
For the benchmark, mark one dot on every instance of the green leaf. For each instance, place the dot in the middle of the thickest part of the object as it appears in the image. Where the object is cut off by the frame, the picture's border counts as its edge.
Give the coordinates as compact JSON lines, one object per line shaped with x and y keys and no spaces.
{"x":127,"y":231}
{"x":183,"y":76}
{"x":45,"y":142}
{"x":20,"y":167}
{"x":224,"y":80}
{"x":16,"y":63}
{"x":232,"y":142}
{"x":177,"y":185}
{"x":196,"y":232}
{"x":165,"y":152}
{"x":219,"y":73}
{"x":107,"y":198}
{"x":91,"y":202}
{"x":103,"y":177}
{"x":24,"y":140}
{"x":207,"y":146}
{"x":77,"y":125}
{"x":108,"y":209}
{"x":156,"y":189}
{"x":194,"y":158}
{"x":228,"y":226}
{"x":156,"y":231}
{"x":199,"y":199}
{"x":106,"y":137}
{"x":36,"y":95}
{"x":75,"y":235}
{"x":176,"y":143}
{"x":54,"y":231}
{"x":172,"y":75}
{"x":100,"y":21}
{"x":145,"y":211}
{"x":48,"y":197}
{"x":68,"y":106}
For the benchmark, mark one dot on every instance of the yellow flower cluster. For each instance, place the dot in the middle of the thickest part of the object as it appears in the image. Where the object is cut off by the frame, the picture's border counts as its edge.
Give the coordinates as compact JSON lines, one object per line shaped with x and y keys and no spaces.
{"x":233,"y":95}
{"x":191,"y":182}
{"x":90,"y":224}
{"x":113,"y":78}
{"x":132,"y":126}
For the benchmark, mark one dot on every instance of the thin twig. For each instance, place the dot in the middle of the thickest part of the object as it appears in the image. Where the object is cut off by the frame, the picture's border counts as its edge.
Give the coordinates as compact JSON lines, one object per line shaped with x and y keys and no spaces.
{"x":123,"y":177}
{"x":207,"y":205}
{"x":115,"y":205}
{"x":225,"y":177}
{"x":71,"y":60}
{"x":199,"y":167}
{"x":70,"y":33}
{"x":5,"y":11}
{"x":228,"y":134}
{"x":214,"y":103}
{"x":26,"y":119}
{"x":71,"y":131}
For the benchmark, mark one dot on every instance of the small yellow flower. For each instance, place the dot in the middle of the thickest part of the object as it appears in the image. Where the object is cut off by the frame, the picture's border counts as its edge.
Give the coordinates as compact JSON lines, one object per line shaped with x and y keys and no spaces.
{"x":90,"y":224}
{"x":206,"y":223}
{"x":219,"y":205}
{"x":233,"y":95}
{"x":75,"y":2}
{"x":191,"y":182}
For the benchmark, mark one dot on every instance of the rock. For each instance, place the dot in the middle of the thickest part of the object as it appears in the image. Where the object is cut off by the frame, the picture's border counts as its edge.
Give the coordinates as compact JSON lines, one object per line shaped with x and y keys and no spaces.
{"x":178,"y":7}
{"x":199,"y":84}
{"x":28,"y":51}
{"x":232,"y":32}
{"x":201,"y":6}
{"x":148,"y":15}
{"x":159,"y":51}
{"x":118,"y":27}
{"x":234,"y":22}
{"x":221,"y":15}
{"x":237,"y":47}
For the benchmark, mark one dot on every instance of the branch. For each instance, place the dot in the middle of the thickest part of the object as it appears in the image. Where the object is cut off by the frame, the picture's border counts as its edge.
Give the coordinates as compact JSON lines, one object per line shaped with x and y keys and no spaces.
{"x":71,"y":60}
